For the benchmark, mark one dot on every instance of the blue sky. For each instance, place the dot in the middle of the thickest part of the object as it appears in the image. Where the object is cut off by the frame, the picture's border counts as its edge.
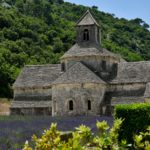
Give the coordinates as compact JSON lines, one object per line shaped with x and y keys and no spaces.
{"x":128,"y":9}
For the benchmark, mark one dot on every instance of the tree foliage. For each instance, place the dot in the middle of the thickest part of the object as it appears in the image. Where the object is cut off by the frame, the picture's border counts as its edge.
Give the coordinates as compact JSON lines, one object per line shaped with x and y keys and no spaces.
{"x":40,"y":31}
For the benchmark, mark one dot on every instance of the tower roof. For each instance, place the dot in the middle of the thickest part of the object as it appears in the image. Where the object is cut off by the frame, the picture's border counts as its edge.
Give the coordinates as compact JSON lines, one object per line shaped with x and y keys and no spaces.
{"x":87,"y":19}
{"x":88,"y":49}
{"x":78,"y":73}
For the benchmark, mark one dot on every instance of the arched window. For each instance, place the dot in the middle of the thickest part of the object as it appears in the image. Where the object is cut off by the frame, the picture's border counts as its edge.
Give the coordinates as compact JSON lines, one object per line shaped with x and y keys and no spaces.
{"x":70,"y":105}
{"x":89,"y":105}
{"x":86,"y":35}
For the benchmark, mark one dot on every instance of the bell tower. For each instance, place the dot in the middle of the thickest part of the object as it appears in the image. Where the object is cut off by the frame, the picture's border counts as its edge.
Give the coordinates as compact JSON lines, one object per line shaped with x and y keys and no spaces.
{"x":88,"y":30}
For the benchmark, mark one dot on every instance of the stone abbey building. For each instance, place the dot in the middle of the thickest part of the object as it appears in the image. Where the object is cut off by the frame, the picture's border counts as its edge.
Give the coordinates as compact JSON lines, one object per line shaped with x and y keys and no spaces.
{"x":89,"y":81}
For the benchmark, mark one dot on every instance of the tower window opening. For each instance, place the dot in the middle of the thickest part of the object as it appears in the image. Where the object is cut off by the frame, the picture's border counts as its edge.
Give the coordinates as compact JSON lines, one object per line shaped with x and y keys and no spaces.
{"x":89,"y":105}
{"x":86,"y":35}
{"x":71,"y":105}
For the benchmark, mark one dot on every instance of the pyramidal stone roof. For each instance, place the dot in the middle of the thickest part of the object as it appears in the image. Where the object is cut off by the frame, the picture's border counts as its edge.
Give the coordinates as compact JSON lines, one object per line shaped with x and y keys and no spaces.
{"x":87,"y":19}
{"x":133,"y":72}
{"x":88,"y":49}
{"x":78,"y":73}
{"x":37,"y":76}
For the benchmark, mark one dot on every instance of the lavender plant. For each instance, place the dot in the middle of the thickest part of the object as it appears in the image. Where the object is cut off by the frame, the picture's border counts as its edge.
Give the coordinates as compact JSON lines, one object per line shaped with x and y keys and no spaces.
{"x":14,"y":130}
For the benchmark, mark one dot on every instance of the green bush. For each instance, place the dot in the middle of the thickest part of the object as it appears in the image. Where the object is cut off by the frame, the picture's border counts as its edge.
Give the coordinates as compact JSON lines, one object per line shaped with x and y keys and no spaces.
{"x":142,"y":141}
{"x":136,"y":119}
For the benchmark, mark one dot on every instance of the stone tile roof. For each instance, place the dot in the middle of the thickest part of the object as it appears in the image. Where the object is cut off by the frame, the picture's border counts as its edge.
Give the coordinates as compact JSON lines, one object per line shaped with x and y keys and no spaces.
{"x":78,"y":73}
{"x":133,"y":72}
{"x":87,"y":49}
{"x":87,"y":19}
{"x":36,"y":76}
{"x":31,"y":104}
{"x":126,"y":100}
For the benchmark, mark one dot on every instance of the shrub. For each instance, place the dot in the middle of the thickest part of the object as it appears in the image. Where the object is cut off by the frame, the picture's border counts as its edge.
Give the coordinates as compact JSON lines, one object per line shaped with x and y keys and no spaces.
{"x":136,"y":119}
{"x":84,"y":139}
{"x":142,"y":141}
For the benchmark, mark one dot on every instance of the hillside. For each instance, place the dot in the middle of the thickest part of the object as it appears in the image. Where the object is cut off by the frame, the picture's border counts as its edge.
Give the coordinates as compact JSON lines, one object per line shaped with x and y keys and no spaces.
{"x":40,"y":31}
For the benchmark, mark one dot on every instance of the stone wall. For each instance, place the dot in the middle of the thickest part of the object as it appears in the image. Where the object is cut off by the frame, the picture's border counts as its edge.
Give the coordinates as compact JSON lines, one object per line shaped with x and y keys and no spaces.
{"x":105,"y":67}
{"x":126,"y":93}
{"x":32,"y":94}
{"x":80,"y":94}
{"x":130,"y":89}
{"x":31,"y":111}
{"x":93,"y":31}
{"x":127,"y":100}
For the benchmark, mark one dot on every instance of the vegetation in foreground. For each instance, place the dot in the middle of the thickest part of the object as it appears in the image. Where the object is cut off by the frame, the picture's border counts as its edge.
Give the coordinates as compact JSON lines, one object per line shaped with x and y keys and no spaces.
{"x":83,"y":139}
{"x":136,"y":119}
{"x":40,"y":31}
{"x":15,"y":130}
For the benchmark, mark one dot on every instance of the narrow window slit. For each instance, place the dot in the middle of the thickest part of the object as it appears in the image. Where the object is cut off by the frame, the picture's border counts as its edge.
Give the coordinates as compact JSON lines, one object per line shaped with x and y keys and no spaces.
{"x":71,"y":105}
{"x":89,"y":105}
